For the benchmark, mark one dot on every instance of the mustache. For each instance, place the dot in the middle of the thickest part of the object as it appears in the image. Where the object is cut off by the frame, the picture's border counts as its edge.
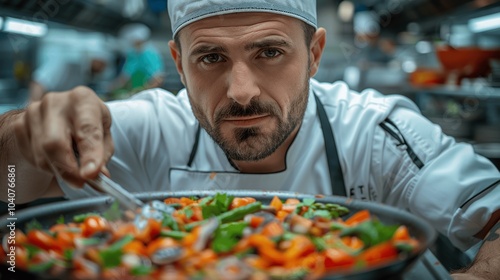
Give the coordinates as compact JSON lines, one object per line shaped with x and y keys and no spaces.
{"x":254,"y":108}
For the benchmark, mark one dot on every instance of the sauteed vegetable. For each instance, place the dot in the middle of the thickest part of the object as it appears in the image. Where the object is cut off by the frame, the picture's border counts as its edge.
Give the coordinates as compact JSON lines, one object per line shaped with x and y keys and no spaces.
{"x":216,"y":237}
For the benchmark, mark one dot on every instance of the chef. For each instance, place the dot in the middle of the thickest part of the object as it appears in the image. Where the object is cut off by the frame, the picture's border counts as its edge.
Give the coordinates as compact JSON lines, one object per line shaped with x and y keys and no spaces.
{"x":253,"y":117}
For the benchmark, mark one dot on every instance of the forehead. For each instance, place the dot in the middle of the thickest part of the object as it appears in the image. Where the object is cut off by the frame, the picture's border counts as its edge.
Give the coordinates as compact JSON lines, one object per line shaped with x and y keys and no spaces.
{"x":239,"y":24}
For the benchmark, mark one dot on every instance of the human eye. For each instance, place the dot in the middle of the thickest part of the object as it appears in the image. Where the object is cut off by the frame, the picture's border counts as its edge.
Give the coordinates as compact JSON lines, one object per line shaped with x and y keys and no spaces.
{"x":211,"y":58}
{"x":270,"y":53}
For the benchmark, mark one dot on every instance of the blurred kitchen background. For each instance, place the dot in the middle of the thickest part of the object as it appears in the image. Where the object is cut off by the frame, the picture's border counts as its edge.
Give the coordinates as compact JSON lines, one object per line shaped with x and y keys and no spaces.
{"x":443,"y":54}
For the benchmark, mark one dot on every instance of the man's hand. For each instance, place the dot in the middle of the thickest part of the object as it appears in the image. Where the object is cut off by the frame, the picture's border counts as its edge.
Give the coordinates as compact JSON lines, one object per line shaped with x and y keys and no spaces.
{"x":53,"y":129}
{"x":486,"y":266}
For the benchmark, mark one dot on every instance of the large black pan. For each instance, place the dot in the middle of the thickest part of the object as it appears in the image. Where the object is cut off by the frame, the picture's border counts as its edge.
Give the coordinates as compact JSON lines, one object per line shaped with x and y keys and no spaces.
{"x":421,"y":230}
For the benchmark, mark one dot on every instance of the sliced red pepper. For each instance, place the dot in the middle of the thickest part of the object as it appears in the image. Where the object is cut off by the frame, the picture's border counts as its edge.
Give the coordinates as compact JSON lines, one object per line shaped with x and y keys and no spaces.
{"x":383,"y":252}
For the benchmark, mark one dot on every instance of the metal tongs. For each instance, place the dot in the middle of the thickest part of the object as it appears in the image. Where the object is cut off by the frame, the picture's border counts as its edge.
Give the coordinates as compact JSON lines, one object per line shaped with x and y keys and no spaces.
{"x":154,"y":209}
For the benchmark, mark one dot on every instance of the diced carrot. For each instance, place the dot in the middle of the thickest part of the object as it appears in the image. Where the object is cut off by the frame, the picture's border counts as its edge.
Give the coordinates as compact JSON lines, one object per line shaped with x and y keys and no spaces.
{"x":65,"y":238}
{"x":21,"y":257}
{"x":292,"y":201}
{"x":257,"y":262}
{"x":241,"y":201}
{"x":276,"y":203}
{"x":43,"y":240}
{"x":242,"y":245}
{"x":299,"y":224}
{"x":197,"y":214}
{"x":94,"y":224}
{"x":289,"y":208}
{"x":93,"y":255}
{"x":272,"y":255}
{"x":401,"y":233}
{"x":191,"y":238}
{"x":281,"y":215}
{"x":203,"y":258}
{"x":185,"y":201}
{"x":273,"y":229}
{"x":300,"y":246}
{"x":260,"y":240}
{"x":358,"y":217}
{"x":124,"y":229}
{"x":58,"y":227}
{"x":336,"y":258}
{"x":353,"y":242}
{"x":150,"y":231}
{"x":314,"y":261}
{"x":316,"y":231}
{"x":380,"y":253}
{"x":172,"y":200}
{"x":20,"y":237}
{"x":255,"y":221}
{"x":135,"y":247}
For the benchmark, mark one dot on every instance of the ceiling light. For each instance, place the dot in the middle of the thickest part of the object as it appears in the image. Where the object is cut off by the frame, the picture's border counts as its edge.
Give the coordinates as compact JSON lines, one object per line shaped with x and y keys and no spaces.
{"x":25,"y":27}
{"x":485,"y":23}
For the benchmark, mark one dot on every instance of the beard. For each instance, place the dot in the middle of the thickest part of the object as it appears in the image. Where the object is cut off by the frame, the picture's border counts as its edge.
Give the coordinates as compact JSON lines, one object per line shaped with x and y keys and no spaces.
{"x":254,"y":143}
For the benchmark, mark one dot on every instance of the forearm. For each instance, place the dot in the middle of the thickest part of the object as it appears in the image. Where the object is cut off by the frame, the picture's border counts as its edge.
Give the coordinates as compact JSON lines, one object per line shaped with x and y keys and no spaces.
{"x":29,"y":182}
{"x":486,"y":265}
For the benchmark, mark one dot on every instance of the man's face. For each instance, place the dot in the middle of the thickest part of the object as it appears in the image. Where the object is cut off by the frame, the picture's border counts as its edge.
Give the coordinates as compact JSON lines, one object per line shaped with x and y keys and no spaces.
{"x":247,"y":78}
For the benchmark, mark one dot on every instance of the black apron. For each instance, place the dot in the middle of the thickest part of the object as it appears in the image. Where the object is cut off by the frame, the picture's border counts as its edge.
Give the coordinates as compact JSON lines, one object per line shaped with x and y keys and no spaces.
{"x":332,"y":157}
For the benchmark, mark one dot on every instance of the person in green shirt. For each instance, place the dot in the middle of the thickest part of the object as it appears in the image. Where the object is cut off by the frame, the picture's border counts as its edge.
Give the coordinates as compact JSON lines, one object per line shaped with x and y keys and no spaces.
{"x":143,"y":67}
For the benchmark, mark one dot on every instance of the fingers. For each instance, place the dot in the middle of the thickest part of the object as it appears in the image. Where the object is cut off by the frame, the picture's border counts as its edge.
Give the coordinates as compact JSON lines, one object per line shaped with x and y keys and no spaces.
{"x":92,"y":122}
{"x":49,"y":128}
{"x":55,"y":139}
{"x":89,"y":137}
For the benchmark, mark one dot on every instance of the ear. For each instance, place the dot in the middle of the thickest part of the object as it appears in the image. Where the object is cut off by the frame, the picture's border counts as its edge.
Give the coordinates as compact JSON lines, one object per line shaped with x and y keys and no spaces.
{"x":316,"y":49}
{"x":176,"y":56}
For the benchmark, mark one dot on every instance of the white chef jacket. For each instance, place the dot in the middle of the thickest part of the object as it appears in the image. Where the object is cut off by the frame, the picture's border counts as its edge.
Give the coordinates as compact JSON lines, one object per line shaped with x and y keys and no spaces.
{"x":455,"y":190}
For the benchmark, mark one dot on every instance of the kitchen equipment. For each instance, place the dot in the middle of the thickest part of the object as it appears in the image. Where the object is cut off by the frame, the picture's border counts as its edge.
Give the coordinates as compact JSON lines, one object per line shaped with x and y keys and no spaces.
{"x":421,"y":230}
{"x":466,"y":62}
{"x":454,"y":126}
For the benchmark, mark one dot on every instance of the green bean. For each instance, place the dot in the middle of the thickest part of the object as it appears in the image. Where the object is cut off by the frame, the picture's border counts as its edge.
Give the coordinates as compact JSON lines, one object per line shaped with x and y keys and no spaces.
{"x":175,"y":234}
{"x":233,"y":215}
{"x":237,"y":214}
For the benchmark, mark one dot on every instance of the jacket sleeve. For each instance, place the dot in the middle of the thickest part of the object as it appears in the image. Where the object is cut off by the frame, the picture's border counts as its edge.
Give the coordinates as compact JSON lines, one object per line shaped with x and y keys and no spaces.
{"x":454,"y":189}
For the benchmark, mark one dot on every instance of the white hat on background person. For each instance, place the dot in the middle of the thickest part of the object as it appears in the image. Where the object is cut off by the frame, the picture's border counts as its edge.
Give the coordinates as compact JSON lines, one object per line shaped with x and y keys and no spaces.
{"x":182,"y":12}
{"x":135,"y":32}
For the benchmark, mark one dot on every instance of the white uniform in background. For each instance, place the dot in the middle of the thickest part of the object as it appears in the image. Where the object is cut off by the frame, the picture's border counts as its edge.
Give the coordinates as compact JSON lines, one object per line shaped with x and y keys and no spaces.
{"x":59,"y":74}
{"x":440,"y":180}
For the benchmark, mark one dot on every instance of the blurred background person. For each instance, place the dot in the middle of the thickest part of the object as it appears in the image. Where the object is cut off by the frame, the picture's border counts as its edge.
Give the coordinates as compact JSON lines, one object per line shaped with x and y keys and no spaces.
{"x":143,"y":66}
{"x":61,"y":73}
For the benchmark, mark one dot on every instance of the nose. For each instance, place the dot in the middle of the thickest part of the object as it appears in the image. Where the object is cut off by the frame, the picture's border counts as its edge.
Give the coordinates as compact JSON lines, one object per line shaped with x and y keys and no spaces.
{"x":242,"y":84}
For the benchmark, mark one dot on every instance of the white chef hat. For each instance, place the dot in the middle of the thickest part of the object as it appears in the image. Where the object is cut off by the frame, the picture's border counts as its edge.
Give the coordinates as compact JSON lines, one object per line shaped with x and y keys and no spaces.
{"x":135,"y":32}
{"x":184,"y":12}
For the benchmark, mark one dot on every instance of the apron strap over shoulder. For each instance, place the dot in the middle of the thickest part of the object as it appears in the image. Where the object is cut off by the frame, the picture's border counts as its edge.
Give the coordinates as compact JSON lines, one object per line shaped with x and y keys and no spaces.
{"x":332,"y":157}
{"x":195,"y":146}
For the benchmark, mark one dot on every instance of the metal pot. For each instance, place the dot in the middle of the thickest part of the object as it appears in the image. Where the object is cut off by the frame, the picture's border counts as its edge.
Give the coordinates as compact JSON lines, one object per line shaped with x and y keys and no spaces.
{"x":48,"y":214}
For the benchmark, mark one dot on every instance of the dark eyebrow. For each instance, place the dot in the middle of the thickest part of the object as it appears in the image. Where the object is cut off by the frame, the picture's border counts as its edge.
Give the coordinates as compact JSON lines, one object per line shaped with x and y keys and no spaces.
{"x":204,"y":49}
{"x":267,"y":43}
